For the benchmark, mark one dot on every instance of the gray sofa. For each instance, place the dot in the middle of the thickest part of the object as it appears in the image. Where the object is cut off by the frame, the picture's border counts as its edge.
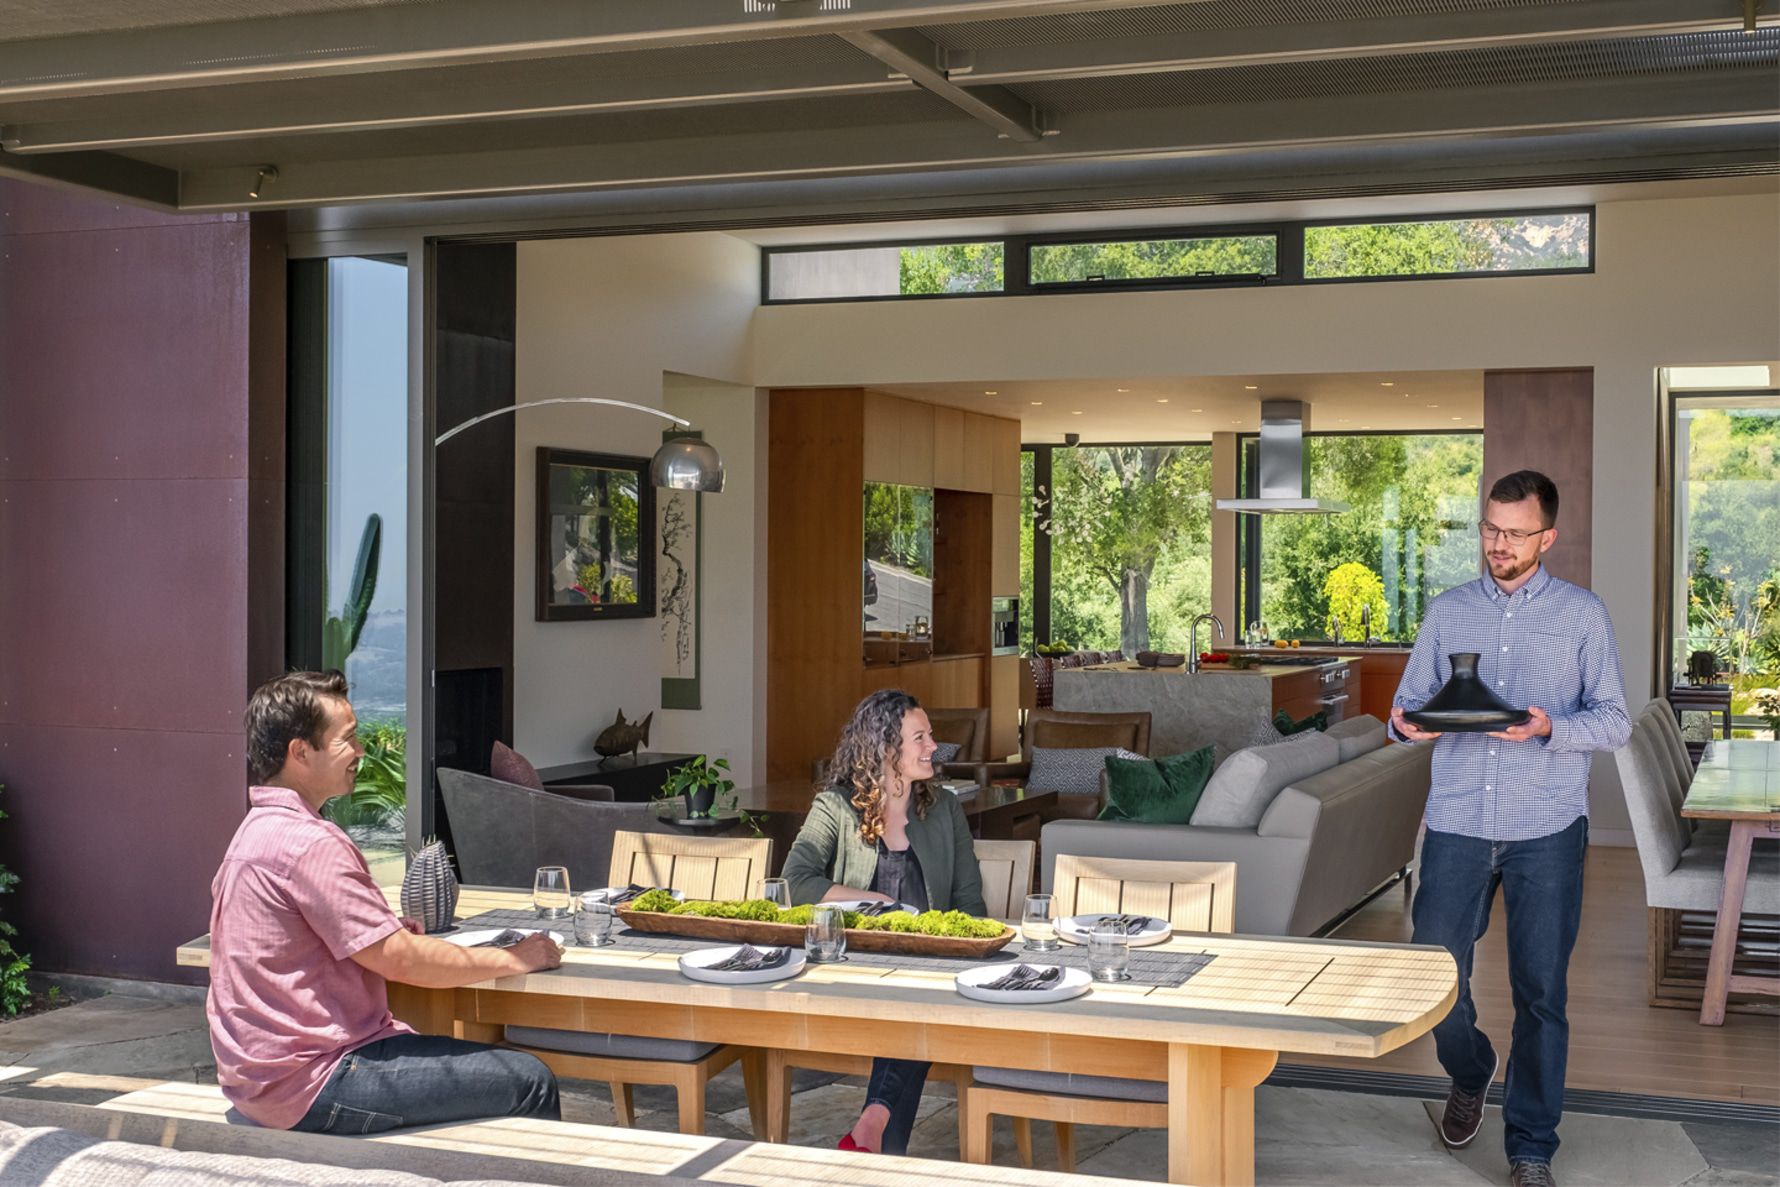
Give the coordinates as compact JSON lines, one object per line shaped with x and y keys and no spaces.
{"x":503,"y":832}
{"x":1329,"y":832}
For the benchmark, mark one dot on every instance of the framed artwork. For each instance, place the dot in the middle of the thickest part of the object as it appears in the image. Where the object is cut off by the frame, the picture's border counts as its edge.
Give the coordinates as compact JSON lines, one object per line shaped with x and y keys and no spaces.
{"x":680,"y":532}
{"x":596,"y":536}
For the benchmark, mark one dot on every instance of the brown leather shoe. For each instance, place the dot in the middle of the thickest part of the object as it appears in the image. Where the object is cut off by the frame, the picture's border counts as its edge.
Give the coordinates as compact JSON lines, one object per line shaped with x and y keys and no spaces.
{"x":1529,"y":1172}
{"x":1464,"y":1113}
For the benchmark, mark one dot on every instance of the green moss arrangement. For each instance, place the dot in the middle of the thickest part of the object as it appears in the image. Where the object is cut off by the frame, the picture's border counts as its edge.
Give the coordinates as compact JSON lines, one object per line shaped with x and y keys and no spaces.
{"x":955,"y":924}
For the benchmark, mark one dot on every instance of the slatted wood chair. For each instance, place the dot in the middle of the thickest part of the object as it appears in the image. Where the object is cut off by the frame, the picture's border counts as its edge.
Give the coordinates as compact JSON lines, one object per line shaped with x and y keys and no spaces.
{"x":1006,"y":869}
{"x":1193,"y":896}
{"x":700,"y":868}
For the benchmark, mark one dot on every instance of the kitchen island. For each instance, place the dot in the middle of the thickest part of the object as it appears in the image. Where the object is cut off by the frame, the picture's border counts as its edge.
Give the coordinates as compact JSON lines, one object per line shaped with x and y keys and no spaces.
{"x":1218,"y":705}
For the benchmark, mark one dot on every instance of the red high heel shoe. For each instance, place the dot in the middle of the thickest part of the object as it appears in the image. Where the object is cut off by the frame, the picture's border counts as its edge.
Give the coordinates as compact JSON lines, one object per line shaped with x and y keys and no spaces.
{"x":847,"y":1143}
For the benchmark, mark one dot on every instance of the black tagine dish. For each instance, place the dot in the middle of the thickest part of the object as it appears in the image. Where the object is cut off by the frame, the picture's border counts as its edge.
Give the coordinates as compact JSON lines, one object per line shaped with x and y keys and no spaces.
{"x":1465,"y":704}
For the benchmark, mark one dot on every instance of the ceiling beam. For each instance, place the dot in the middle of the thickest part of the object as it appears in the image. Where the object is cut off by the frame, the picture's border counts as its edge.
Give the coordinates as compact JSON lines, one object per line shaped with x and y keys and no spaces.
{"x":275,"y":110}
{"x":451,"y":32}
{"x":122,"y":177}
{"x":917,"y":58}
{"x":1727,"y":98}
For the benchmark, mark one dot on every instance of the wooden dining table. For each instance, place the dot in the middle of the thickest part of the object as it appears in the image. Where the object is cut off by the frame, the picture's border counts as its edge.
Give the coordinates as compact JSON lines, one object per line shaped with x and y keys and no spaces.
{"x":1738,"y":780}
{"x":1213,"y":1039}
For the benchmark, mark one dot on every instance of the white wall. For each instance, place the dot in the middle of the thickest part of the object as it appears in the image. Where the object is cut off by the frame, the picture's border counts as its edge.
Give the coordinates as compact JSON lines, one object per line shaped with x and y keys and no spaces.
{"x":614,"y":317}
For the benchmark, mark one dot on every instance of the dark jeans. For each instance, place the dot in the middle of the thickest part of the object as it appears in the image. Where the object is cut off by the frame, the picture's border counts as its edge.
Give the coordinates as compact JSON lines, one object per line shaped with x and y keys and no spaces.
{"x":1541,"y":883}
{"x":896,"y":1084}
{"x":427,"y":1080}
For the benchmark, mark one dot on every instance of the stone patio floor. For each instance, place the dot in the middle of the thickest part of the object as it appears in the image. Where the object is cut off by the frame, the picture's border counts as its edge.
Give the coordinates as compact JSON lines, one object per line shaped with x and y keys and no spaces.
{"x":105,"y":1046}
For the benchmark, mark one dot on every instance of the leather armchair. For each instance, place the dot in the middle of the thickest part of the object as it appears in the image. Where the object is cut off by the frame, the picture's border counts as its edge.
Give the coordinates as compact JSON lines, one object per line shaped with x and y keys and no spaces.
{"x":1058,"y":729}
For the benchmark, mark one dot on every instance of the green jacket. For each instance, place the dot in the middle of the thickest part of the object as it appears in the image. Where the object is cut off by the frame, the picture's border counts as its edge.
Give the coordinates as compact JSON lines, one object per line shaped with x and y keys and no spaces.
{"x":828,"y":852}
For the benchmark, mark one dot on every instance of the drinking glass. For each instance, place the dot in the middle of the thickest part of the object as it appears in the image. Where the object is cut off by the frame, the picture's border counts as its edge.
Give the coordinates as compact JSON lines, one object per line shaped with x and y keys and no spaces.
{"x":1109,"y":951}
{"x":593,"y":922}
{"x":1038,"y":928}
{"x":825,"y":940}
{"x":776,"y":891}
{"x":550,"y":892}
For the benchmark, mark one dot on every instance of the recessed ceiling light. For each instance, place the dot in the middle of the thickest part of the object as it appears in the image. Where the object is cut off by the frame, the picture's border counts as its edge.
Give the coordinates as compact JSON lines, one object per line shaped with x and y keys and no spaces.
{"x":1365,"y":426}
{"x":1164,"y":400}
{"x":1251,"y":387}
{"x":1341,"y":420}
{"x":1198,"y":410}
{"x":1121,"y":389}
{"x":990,"y":393}
{"x":1387,"y":383}
{"x":1458,"y":418}
{"x":1077,"y":412}
{"x":1433,"y":405}
{"x":1038,"y":403}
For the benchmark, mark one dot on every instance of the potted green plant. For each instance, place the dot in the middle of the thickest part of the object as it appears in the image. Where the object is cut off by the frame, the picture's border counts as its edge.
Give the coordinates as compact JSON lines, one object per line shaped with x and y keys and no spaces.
{"x":707,"y":790}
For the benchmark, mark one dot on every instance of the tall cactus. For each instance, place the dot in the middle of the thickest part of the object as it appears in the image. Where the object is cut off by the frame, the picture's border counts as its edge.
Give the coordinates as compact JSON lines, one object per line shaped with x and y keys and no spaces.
{"x":340,"y":636}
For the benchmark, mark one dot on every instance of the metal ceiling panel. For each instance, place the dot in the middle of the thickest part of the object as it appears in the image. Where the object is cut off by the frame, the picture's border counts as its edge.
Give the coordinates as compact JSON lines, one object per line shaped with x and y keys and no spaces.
{"x":23,"y":20}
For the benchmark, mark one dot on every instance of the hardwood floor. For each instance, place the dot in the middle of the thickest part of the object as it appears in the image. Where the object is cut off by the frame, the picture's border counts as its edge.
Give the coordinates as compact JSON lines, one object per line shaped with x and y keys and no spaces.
{"x":1618,"y":1043}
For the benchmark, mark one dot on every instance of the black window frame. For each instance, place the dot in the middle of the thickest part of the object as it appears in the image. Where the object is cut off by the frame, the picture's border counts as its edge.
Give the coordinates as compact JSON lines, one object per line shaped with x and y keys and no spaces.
{"x":1289,"y":256}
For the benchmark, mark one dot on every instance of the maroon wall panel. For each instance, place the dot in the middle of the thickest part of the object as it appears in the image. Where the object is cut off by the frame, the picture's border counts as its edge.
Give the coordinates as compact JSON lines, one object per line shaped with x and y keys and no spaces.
{"x":136,"y":567}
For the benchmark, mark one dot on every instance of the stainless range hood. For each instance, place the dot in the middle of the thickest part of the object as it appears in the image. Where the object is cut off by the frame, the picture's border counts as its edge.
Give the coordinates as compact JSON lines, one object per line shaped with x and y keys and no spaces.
{"x":1285,"y":468}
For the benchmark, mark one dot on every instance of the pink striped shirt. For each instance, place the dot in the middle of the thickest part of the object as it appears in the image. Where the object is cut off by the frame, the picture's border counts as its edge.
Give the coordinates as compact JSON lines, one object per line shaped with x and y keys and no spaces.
{"x":291,"y":904}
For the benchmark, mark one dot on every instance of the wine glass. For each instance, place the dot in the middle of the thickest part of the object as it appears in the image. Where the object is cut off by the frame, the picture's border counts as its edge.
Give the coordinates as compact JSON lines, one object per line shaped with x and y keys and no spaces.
{"x":550,"y":892}
{"x":1109,"y":951}
{"x":825,"y":940}
{"x":776,"y":891}
{"x":1038,"y":927}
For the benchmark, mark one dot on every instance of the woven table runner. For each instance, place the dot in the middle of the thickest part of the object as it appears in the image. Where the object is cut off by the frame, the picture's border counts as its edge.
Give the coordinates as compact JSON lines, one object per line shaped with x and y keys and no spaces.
{"x":1149,"y":966}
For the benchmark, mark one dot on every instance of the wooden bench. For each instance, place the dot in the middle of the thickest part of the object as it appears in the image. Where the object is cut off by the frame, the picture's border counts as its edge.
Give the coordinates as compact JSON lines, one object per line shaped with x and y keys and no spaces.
{"x":551,"y":1151}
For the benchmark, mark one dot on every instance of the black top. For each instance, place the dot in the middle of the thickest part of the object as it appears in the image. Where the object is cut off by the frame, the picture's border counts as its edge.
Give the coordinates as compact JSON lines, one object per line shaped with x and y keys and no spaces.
{"x":899,"y":876}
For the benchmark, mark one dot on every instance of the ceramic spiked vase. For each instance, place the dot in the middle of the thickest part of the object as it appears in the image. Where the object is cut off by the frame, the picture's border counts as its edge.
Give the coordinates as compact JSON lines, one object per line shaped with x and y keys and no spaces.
{"x":429,"y":889}
{"x":1465,"y":704}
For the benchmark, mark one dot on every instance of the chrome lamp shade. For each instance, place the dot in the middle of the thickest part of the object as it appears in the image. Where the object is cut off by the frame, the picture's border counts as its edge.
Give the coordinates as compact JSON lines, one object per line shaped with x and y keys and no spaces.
{"x":687,"y":463}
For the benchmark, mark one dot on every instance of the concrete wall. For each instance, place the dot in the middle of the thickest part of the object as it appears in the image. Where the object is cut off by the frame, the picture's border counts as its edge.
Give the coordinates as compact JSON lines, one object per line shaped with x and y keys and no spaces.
{"x":614,"y":318}
{"x":142,"y":475}
{"x":1676,"y":281}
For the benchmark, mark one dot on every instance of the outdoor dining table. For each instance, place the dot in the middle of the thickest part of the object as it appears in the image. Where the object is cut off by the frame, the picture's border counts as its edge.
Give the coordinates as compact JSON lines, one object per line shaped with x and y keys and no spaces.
{"x":1739,"y":781}
{"x":1213,"y":1038}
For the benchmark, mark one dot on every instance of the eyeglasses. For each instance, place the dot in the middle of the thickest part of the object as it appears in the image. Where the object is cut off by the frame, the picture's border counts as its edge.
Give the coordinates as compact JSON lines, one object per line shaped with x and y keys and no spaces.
{"x":1490,"y":531}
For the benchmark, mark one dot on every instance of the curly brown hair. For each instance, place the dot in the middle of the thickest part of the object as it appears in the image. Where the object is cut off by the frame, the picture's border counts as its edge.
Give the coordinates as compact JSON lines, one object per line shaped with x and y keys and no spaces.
{"x":869,"y":741}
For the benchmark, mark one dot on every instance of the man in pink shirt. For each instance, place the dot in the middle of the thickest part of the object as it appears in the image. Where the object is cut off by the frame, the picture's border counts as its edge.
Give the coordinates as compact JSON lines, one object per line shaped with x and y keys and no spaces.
{"x":303,"y":944}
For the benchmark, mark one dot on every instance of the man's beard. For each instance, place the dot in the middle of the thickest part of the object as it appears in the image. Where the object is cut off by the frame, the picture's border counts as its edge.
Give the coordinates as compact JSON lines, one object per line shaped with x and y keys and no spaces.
{"x":1516,"y":567}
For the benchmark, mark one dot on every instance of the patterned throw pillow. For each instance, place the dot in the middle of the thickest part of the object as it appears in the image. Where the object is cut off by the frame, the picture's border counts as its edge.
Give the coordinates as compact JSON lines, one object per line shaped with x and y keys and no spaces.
{"x":1072,"y":772}
{"x":510,"y":766}
{"x":945,"y":752}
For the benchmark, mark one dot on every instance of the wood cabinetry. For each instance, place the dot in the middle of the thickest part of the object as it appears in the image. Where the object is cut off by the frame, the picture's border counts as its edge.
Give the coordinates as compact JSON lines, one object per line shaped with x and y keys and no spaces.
{"x":824,"y":445}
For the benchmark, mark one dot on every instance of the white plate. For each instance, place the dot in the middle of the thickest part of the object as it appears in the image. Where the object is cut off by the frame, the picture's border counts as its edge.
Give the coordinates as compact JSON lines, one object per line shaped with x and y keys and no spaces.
{"x":971,"y":981}
{"x":1075,"y":929}
{"x":860,"y":904}
{"x":469,"y":939}
{"x":603,"y":892}
{"x":693,"y":965}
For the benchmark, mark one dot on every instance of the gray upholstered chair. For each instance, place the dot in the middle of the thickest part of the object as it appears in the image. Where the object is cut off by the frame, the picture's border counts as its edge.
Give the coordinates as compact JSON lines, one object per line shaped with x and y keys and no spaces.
{"x":1683,"y":871}
{"x":1056,"y":729}
{"x":503,"y":832}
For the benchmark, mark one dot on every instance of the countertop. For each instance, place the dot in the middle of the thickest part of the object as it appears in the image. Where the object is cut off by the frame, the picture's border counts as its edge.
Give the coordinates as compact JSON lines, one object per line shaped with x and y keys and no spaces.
{"x":1265,"y":671}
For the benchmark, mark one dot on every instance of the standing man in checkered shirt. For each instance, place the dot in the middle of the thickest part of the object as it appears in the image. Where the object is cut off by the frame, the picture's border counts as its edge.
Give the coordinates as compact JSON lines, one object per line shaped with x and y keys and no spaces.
{"x":1510,"y":809}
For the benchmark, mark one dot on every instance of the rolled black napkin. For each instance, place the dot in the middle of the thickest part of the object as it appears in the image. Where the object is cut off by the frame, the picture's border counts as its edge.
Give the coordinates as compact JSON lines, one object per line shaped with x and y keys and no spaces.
{"x":875,"y":909}
{"x":505,"y":938}
{"x":1026,"y":976}
{"x":749,"y":959}
{"x":1131,"y":923}
{"x":628,"y":893}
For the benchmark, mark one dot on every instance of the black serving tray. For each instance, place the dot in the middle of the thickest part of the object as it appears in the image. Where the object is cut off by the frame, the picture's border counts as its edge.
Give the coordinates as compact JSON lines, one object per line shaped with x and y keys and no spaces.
{"x":1466,"y":721}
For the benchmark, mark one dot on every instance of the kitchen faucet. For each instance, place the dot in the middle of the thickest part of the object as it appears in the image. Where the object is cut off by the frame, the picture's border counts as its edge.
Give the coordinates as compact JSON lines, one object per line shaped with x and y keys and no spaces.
{"x":1193,"y":638}
{"x":1366,"y":624}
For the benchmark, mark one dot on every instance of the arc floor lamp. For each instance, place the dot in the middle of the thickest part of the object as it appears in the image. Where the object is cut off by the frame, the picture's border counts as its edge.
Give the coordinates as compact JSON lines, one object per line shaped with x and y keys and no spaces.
{"x":684,"y":463}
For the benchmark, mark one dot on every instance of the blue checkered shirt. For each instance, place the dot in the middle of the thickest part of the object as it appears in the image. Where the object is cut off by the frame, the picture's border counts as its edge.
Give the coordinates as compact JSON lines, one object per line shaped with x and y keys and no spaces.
{"x":1549,"y":645}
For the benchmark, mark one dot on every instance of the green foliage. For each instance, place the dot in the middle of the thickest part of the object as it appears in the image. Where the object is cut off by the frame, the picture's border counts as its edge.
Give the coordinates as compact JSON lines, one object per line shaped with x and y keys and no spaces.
{"x":340,"y":634}
{"x":1349,"y":589}
{"x":380,"y":791}
{"x":1459,"y":245}
{"x":899,"y":527}
{"x":1154,"y":259}
{"x":1125,"y":521}
{"x":623,"y":588}
{"x":951,"y":268}
{"x":15,"y":994}
{"x":689,"y":778}
{"x":928,"y":923}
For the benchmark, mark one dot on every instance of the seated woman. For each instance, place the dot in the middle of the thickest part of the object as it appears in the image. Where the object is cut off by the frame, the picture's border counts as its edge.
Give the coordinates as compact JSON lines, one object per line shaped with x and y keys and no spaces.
{"x":877,"y":831}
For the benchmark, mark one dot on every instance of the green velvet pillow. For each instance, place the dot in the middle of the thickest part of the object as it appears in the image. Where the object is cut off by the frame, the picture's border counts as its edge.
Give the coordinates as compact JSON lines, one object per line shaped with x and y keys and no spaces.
{"x":1282,"y":721}
{"x":1156,"y":791}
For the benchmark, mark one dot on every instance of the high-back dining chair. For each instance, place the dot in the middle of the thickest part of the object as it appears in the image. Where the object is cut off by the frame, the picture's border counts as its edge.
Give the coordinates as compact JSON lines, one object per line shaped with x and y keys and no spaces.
{"x":1006,"y":869}
{"x":1192,"y":895}
{"x":700,"y":868}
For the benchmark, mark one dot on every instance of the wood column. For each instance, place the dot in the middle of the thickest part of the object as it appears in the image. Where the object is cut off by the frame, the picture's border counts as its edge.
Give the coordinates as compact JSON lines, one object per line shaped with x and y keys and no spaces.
{"x":1545,"y":421}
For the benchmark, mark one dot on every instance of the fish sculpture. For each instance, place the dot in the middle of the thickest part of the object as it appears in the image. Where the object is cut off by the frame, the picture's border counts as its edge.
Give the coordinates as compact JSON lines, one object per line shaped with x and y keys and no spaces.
{"x":623,"y":737}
